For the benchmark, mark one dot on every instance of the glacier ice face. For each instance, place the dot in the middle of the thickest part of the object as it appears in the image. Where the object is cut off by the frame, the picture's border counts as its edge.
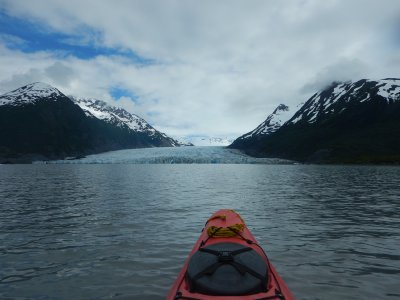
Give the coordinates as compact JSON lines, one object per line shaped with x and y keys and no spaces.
{"x":173,"y":155}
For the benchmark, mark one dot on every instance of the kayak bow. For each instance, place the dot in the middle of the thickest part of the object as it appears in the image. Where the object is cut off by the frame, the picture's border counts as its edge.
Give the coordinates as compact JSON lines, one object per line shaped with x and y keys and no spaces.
{"x":227,"y":263}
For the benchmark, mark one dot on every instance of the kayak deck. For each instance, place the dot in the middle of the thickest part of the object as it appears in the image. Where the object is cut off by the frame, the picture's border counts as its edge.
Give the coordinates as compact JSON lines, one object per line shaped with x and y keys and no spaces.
{"x":227,"y":263}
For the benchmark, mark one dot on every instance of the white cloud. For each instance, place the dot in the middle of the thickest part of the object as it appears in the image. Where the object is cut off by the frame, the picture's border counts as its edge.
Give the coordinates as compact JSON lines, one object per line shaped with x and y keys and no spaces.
{"x":11,"y":40}
{"x":222,"y":66}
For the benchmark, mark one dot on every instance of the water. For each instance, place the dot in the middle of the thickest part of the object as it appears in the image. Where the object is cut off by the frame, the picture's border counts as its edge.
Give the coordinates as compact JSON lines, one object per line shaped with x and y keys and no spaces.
{"x":123,"y":230}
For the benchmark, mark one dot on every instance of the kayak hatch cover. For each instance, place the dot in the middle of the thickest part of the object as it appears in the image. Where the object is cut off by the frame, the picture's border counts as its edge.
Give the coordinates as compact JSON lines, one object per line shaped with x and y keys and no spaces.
{"x":227,"y":263}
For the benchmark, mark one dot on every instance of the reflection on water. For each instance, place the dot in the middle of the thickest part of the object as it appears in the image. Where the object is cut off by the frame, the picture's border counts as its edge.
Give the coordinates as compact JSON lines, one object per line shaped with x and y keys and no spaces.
{"x":123,"y":231}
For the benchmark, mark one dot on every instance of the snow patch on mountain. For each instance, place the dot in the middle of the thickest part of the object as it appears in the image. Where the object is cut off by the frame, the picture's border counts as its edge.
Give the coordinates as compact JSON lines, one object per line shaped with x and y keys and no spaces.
{"x":111,"y":114}
{"x":30,"y":94}
{"x":183,"y":141}
{"x":390,"y":89}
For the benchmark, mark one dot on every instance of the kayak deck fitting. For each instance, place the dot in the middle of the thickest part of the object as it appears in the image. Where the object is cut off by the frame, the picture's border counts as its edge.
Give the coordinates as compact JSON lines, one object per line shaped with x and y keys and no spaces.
{"x":227,"y":263}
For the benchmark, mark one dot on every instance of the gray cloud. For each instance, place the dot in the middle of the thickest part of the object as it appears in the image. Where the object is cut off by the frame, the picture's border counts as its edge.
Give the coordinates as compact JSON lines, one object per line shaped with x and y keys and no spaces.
{"x":222,"y":66}
{"x":57,"y":74}
{"x":17,"y":80}
{"x":343,"y":70}
{"x":60,"y":74}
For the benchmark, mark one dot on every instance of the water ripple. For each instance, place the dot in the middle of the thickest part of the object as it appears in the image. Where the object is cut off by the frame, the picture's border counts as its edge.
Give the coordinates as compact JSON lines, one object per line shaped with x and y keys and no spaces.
{"x":124,"y":231}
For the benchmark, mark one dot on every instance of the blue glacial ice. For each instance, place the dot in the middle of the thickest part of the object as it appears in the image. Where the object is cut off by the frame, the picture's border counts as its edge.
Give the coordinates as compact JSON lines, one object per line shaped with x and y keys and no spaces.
{"x":171,"y":155}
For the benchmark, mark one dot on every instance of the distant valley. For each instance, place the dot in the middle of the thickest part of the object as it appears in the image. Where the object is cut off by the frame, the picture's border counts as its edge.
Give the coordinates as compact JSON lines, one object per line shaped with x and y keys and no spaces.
{"x":347,"y":122}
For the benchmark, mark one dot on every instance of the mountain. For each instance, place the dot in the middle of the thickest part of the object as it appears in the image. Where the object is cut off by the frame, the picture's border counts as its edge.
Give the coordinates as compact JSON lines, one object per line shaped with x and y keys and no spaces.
{"x":215,"y":141}
{"x":273,"y":122}
{"x":205,"y":141}
{"x":183,"y":141}
{"x":37,"y":121}
{"x":350,"y":122}
{"x":121,"y":118}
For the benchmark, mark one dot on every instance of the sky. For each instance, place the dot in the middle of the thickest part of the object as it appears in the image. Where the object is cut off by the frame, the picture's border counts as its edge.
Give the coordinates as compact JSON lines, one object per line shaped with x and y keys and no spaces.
{"x":197,"y":68}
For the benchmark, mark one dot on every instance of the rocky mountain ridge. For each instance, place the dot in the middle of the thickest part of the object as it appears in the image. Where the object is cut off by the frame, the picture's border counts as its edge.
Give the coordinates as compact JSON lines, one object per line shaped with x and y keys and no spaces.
{"x":38,"y":122}
{"x":273,"y":122}
{"x":338,"y":97}
{"x":119,"y":117}
{"x":350,"y":122}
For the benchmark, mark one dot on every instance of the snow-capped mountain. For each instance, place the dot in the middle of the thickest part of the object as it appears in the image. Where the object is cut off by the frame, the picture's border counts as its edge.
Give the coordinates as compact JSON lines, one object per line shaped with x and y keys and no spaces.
{"x":340,"y":96}
{"x":215,"y":141}
{"x":183,"y":141}
{"x":38,"y":121}
{"x":30,"y":94}
{"x":273,"y":122}
{"x":204,"y":141}
{"x":118,"y":116}
{"x":345,"y":122}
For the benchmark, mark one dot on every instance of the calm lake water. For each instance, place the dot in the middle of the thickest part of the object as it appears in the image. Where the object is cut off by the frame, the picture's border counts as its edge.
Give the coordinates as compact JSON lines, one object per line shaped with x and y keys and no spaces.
{"x":122,"y":231}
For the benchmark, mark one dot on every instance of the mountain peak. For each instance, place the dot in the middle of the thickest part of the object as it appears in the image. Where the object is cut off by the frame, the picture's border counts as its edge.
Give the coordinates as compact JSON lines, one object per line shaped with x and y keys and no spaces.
{"x":273,"y":122}
{"x":39,"y":88}
{"x":38,"y":85}
{"x":281,"y":107}
{"x":30,"y":94}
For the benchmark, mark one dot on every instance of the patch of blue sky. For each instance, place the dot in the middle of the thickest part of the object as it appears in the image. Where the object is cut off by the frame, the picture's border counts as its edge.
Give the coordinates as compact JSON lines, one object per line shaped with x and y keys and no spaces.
{"x":153,"y":114}
{"x":117,"y":93}
{"x":29,"y":37}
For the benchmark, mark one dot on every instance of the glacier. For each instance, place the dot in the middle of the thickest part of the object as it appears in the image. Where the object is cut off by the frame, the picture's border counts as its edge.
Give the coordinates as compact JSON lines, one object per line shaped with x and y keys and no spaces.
{"x":172,"y":155}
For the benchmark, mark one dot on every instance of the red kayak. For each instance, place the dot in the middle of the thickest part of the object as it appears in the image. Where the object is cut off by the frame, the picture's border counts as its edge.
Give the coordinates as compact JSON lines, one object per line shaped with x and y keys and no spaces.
{"x":227,"y":263}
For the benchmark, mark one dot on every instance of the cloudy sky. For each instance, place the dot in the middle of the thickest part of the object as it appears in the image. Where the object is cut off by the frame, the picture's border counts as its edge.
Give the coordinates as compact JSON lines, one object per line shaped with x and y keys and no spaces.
{"x":193,"y":68}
